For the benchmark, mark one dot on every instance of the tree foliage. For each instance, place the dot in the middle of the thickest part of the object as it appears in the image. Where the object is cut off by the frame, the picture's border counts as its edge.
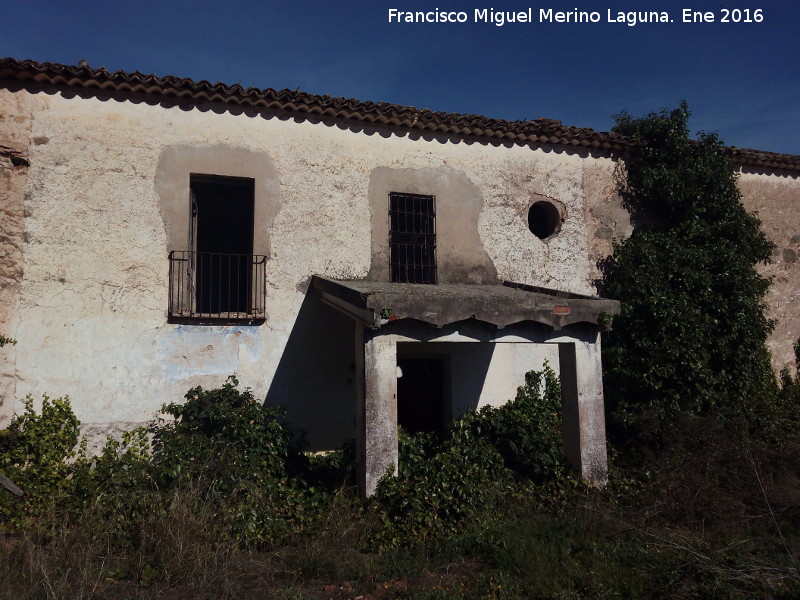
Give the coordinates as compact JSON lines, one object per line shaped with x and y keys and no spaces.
{"x":691,"y":336}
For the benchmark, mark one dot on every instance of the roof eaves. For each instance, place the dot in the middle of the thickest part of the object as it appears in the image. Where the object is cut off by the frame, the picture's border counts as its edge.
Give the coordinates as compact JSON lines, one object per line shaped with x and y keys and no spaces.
{"x":537,"y":131}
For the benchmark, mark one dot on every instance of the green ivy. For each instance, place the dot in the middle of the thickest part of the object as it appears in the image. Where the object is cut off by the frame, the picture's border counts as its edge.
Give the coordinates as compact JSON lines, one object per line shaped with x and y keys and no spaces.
{"x":237,"y":451}
{"x":231,"y":455}
{"x":527,"y":432}
{"x":691,"y":336}
{"x":444,"y":482}
{"x":39,"y":452}
{"x":439,"y":485}
{"x":222,"y":435}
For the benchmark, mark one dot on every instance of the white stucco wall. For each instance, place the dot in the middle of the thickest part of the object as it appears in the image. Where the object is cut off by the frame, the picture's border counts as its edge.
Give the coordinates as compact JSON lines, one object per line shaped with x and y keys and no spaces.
{"x":775,"y":198}
{"x":93,"y":295}
{"x":91,"y":274}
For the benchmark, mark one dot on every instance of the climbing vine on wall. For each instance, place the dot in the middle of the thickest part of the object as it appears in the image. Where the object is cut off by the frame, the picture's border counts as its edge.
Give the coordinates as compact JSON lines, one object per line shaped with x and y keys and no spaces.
{"x":691,"y":336}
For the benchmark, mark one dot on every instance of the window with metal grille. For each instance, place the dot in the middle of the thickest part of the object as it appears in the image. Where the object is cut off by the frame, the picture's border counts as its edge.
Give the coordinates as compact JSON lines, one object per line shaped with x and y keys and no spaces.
{"x":412,"y":238}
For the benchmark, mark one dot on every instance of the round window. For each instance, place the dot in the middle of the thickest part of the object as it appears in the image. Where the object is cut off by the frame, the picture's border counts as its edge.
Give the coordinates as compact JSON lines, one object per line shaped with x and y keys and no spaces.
{"x":544,"y":219}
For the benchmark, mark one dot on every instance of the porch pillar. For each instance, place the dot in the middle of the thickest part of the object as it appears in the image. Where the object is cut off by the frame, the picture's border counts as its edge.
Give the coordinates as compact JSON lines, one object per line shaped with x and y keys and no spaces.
{"x":376,"y":409}
{"x":583,"y":408}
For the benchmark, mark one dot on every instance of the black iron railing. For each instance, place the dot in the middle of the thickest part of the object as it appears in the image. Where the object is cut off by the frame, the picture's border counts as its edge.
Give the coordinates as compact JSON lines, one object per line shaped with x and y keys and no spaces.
{"x":210,"y":285}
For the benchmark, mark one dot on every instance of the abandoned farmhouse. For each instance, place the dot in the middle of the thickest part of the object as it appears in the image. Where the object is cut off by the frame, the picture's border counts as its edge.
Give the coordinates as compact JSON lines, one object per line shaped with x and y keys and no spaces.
{"x":361,"y":264}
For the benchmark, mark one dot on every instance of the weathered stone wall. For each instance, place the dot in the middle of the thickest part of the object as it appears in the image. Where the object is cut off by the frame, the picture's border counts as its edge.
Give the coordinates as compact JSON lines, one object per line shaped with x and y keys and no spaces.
{"x":15,"y":126}
{"x":105,"y":193}
{"x":85,"y":289}
{"x":608,"y":220}
{"x":775,"y":197}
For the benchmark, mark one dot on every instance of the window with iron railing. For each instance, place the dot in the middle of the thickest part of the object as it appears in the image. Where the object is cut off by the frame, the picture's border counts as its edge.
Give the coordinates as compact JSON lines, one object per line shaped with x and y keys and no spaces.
{"x":412,"y":238}
{"x":209,"y":285}
{"x":218,"y":277}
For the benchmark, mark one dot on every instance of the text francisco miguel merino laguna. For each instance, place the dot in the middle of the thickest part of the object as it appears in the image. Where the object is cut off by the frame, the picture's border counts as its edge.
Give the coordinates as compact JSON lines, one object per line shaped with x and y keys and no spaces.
{"x":548,"y":15}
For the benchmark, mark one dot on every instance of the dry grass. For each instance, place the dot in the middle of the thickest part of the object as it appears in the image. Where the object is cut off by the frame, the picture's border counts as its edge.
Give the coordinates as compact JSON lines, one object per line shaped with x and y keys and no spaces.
{"x":181,"y":545}
{"x":715,"y":519}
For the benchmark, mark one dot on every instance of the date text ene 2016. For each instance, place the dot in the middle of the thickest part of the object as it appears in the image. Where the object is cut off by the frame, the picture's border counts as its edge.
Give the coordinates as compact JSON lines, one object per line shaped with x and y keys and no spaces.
{"x":726,"y":15}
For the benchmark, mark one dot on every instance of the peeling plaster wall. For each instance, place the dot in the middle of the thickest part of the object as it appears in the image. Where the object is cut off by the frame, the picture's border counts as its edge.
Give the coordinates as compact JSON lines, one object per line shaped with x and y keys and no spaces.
{"x":15,"y":126}
{"x":85,"y":290}
{"x":460,"y":253}
{"x":522,"y":177}
{"x":608,"y":220}
{"x":104,"y":193}
{"x":775,"y":197}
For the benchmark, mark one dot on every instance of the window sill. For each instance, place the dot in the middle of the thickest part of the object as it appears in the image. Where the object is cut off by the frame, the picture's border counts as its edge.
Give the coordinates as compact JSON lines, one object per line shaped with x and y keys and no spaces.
{"x":213,"y":319}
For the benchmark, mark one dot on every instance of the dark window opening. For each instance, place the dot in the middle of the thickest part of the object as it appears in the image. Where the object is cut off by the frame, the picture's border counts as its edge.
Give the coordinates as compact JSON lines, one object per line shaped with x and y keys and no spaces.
{"x":222,"y":213}
{"x":218,"y":277}
{"x":412,"y":238}
{"x":544,"y":219}
{"x":421,"y":394}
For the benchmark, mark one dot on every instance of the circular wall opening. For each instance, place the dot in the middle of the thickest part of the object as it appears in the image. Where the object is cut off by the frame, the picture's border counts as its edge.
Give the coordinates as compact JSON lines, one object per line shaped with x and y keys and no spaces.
{"x":544,"y":219}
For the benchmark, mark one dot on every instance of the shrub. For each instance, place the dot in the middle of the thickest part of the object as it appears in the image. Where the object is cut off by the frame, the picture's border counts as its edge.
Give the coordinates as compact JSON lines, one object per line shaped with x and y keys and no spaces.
{"x":527,"y":432}
{"x":439,"y":484}
{"x":789,"y":400}
{"x":38,"y":452}
{"x":120,"y":489}
{"x":691,"y":336}
{"x":236,"y":451}
{"x":231,"y":454}
{"x":442,"y":483}
{"x":220,"y":435}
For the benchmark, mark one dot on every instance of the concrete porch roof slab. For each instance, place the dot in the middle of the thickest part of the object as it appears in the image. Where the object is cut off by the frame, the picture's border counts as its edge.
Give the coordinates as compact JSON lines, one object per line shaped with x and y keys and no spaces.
{"x":371,"y":302}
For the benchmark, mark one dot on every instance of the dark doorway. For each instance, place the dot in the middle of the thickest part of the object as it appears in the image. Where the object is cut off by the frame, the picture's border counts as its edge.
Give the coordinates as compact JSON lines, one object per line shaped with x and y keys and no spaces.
{"x":222,"y":243}
{"x":421,"y":394}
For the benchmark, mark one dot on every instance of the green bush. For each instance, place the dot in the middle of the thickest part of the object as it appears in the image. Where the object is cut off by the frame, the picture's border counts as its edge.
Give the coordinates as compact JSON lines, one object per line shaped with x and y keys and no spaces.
{"x":439,"y":484}
{"x":233,"y":455}
{"x":222,"y":436}
{"x":220,"y":446}
{"x":39,"y":452}
{"x":527,"y":432}
{"x":236,"y":451}
{"x":120,"y":490}
{"x":443,"y":482}
{"x":691,"y":336}
{"x":788,"y":403}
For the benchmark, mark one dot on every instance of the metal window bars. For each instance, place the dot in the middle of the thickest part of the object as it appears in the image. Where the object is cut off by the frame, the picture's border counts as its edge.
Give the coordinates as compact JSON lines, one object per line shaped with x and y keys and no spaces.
{"x":412,"y":238}
{"x":216,"y":286}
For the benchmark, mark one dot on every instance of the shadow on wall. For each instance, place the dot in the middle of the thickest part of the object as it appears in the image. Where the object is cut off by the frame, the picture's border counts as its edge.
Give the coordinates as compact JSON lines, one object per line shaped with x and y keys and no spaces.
{"x":314,"y":381}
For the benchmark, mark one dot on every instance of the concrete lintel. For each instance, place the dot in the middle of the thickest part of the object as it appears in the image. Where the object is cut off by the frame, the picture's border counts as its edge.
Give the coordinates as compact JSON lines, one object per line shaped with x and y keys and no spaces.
{"x":445,"y":304}
{"x":376,"y":409}
{"x":474,"y":331}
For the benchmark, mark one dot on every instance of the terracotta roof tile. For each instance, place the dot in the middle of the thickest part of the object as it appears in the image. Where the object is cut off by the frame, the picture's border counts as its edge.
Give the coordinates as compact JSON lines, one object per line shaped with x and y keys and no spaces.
{"x":537,"y":131}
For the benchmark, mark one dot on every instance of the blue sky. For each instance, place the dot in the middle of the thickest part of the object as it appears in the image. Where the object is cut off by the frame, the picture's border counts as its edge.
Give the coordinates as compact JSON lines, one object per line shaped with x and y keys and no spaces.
{"x":741,"y":80}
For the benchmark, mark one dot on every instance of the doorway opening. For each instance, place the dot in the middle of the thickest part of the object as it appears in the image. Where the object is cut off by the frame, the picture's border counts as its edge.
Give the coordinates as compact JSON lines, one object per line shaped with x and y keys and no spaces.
{"x":221,"y":243}
{"x":422,"y":393}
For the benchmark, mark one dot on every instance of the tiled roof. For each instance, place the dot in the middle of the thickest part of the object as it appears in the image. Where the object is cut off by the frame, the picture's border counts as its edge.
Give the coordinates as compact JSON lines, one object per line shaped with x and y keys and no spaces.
{"x":758,"y":158}
{"x":395,"y":116}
